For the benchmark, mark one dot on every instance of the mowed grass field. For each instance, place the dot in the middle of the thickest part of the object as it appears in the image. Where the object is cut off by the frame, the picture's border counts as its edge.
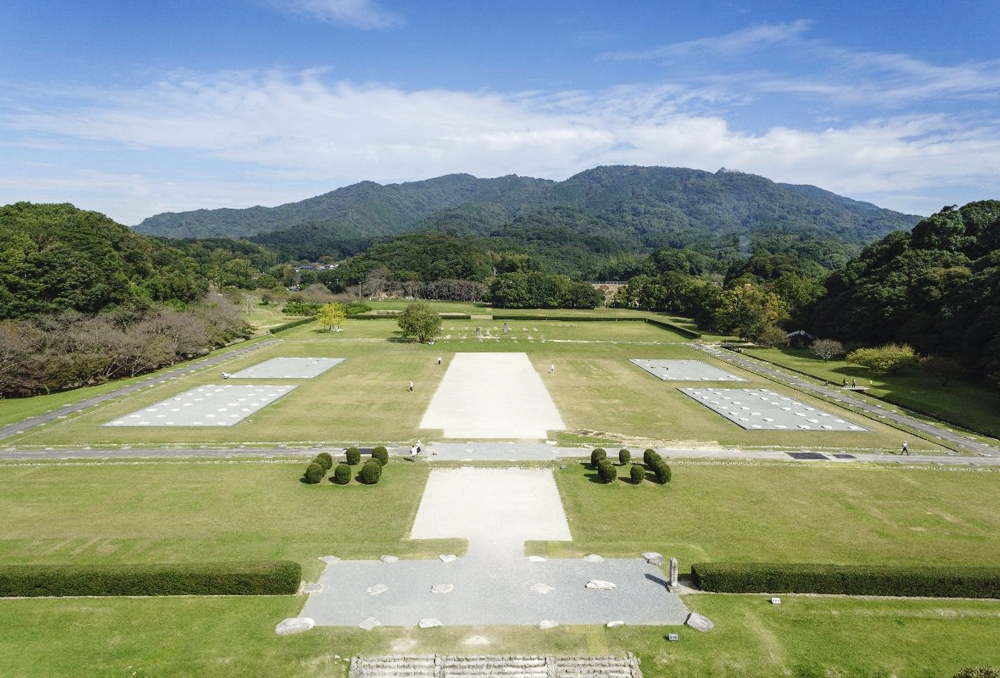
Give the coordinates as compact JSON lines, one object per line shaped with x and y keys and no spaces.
{"x":197,"y":510}
{"x":158,"y":511}
{"x":365,"y":398}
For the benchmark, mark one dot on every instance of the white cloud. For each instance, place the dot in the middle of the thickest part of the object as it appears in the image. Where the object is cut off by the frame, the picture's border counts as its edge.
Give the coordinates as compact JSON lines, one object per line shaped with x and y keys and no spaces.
{"x":244,"y":138}
{"x":737,"y":43}
{"x":364,"y":14}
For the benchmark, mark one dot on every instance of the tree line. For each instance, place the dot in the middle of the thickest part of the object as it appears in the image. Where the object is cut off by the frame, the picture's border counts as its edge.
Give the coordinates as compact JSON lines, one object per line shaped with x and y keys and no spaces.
{"x":69,"y":349}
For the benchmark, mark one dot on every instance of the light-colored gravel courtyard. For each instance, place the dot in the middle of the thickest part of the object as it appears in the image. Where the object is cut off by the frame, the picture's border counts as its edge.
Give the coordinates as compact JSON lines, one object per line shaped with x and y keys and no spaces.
{"x":492,"y":396}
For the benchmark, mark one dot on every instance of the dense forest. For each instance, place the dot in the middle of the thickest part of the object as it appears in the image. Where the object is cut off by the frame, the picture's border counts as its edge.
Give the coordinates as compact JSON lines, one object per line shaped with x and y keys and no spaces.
{"x":127,"y":303}
{"x":601,"y":211}
{"x":84,"y":300}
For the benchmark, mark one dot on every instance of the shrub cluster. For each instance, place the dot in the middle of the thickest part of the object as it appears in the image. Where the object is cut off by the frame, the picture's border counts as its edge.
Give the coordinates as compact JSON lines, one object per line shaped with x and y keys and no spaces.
{"x":853,"y":580}
{"x":661,"y":471}
{"x":314,"y":473}
{"x":371,"y":471}
{"x":597,"y":456}
{"x":353,"y":456}
{"x":606,"y":471}
{"x":624,"y":457}
{"x":251,"y":578}
{"x":636,"y":474}
{"x":649,"y":456}
{"x":341,"y":474}
{"x":381,"y":455}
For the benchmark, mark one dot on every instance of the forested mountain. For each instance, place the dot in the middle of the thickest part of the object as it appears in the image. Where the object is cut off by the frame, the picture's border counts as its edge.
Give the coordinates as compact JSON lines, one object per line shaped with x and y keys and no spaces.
{"x":57,"y":257}
{"x":606,"y":210}
{"x":936,"y":288}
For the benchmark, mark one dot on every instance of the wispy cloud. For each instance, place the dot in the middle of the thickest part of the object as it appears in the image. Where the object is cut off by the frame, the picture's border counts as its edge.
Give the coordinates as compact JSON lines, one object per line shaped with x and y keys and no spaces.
{"x":211,"y":140}
{"x":731,"y":44}
{"x":365,"y":14}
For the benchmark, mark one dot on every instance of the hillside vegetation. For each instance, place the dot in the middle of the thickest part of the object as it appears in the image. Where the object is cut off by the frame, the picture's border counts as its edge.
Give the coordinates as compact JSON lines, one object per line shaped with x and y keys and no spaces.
{"x":605,"y":210}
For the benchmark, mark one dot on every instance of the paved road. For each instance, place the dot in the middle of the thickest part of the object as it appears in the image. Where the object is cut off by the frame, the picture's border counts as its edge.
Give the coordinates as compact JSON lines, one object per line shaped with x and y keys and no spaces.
{"x":158,"y":378}
{"x":846,"y":397}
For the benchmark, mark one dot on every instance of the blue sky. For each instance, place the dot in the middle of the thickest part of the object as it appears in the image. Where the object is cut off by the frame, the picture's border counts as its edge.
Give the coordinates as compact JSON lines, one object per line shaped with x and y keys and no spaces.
{"x":135,"y":107}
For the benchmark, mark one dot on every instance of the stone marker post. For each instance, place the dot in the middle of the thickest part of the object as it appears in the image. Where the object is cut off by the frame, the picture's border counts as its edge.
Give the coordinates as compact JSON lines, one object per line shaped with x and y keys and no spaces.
{"x":672,"y":586}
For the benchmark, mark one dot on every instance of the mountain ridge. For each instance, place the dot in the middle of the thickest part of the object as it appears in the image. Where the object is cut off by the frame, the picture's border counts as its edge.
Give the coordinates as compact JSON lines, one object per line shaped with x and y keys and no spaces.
{"x":644,"y":208}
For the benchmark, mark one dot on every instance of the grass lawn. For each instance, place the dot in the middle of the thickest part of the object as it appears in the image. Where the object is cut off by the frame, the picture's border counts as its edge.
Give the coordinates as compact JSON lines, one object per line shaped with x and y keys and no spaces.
{"x":158,"y":511}
{"x":786,"y":513}
{"x":966,"y":403}
{"x":202,"y":511}
{"x":364,"y":399}
{"x":221,"y":637}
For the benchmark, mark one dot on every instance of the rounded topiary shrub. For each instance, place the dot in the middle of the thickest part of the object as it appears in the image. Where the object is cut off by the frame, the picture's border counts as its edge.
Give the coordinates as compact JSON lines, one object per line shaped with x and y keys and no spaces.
{"x":649,"y":456}
{"x":341,"y":474}
{"x":371,"y":471}
{"x":662,"y":471}
{"x":353,"y":456}
{"x":637,"y":474}
{"x":381,"y":455}
{"x":325,"y":459}
{"x":597,"y":455}
{"x":606,"y":471}
{"x":314,"y":473}
{"x":624,"y":457}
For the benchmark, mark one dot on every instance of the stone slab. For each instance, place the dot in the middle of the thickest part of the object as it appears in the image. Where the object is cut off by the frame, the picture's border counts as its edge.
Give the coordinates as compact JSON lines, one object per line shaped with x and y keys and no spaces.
{"x":764,"y":409}
{"x":684,"y":370}
{"x":288,"y":368}
{"x":206,"y":406}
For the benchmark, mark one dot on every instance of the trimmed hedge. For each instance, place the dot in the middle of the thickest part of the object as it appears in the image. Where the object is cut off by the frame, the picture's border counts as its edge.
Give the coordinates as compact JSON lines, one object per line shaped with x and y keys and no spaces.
{"x":314,"y":473}
{"x":381,"y":455}
{"x":624,"y":457}
{"x":606,"y":471}
{"x":637,"y":474}
{"x":370,"y":473}
{"x":325,"y":460}
{"x":597,"y":456}
{"x":650,"y":455}
{"x":251,"y":578}
{"x":290,"y":325}
{"x":852,"y":580}
{"x":353,"y":456}
{"x":341,"y":474}
{"x":661,"y":471}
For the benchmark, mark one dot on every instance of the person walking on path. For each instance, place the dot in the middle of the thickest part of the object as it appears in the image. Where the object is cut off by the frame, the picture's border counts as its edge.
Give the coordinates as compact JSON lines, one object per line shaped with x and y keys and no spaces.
{"x":552,"y":368}
{"x":410,"y":388}
{"x":906,"y":449}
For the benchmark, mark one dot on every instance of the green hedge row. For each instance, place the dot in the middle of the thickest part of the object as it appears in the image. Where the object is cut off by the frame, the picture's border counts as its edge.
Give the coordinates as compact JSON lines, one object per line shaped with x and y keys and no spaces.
{"x":257,"y":578}
{"x":853,"y":580}
{"x":662,"y":324}
{"x":294,"y":323}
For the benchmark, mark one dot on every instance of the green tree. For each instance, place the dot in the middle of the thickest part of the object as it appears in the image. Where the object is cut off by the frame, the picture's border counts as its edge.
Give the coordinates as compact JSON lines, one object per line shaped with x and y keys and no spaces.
{"x":884,"y":359}
{"x":331,"y":315}
{"x":746,"y":310}
{"x":418,"y":320}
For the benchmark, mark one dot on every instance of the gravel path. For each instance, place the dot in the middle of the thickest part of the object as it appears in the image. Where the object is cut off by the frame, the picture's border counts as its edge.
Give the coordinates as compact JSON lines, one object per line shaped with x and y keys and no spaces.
{"x":497,"y":510}
{"x":492,"y":395}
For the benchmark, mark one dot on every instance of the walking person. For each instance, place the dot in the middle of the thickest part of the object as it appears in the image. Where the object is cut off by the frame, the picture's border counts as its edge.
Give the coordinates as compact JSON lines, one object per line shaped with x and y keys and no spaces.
{"x":410,"y":388}
{"x":906,"y":449}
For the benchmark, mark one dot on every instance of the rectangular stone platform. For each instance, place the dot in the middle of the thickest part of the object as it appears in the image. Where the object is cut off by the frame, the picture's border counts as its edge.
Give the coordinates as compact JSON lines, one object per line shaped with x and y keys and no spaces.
{"x":206,"y":406}
{"x":288,"y":368}
{"x":684,"y":370}
{"x":763,"y":409}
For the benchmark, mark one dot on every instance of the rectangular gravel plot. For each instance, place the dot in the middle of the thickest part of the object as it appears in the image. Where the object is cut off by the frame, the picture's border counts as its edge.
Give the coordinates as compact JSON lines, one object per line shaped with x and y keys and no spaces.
{"x":206,"y":406}
{"x":288,"y":368}
{"x":763,"y":409}
{"x":684,"y":370}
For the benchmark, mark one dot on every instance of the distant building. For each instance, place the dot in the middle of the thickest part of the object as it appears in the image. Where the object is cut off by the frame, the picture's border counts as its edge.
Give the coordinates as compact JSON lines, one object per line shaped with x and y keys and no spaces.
{"x":800,"y":339}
